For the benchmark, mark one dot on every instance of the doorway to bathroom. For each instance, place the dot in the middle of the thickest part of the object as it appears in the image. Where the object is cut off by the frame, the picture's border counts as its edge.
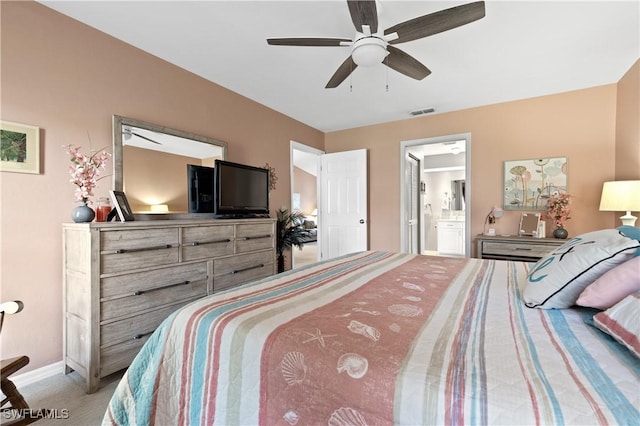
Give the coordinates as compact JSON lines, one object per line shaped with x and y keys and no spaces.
{"x":440,"y":220}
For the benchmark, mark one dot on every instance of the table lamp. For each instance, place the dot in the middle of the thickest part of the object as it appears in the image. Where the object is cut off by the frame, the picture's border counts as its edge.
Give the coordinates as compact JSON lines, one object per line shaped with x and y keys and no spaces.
{"x":495,"y":213}
{"x":9,"y":308}
{"x":620,"y":196}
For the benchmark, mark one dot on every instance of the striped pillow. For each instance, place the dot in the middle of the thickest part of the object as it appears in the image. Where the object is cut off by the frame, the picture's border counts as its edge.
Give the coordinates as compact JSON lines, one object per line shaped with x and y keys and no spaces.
{"x":622,"y":322}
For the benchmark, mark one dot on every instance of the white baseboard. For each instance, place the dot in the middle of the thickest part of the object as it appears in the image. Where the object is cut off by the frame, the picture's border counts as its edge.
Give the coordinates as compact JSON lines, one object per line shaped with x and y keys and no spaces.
{"x":33,"y":376}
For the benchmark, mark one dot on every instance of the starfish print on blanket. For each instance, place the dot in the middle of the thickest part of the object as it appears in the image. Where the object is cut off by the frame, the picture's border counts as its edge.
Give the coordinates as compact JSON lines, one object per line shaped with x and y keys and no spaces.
{"x":317,"y":336}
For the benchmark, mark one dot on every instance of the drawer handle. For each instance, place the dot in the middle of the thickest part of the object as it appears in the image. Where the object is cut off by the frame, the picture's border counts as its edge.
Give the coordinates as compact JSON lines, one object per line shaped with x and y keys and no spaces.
{"x":122,"y":251}
{"x":237,"y":271}
{"x":141,"y":292}
{"x":198,"y":243}
{"x":523,"y":248}
{"x":141,"y":335}
{"x":257,"y":237}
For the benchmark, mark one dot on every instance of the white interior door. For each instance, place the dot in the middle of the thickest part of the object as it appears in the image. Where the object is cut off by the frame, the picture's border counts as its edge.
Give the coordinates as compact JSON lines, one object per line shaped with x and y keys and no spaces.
{"x":343,"y":203}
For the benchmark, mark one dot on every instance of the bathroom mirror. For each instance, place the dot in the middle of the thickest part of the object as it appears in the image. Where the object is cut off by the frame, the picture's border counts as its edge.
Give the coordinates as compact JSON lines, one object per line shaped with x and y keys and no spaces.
{"x":458,"y":194}
{"x":529,"y":224}
{"x":150,"y":163}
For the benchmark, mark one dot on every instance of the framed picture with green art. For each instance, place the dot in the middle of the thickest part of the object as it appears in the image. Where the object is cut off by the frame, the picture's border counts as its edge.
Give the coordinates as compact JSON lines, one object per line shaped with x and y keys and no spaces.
{"x":19,"y":148}
{"x":528,"y":184}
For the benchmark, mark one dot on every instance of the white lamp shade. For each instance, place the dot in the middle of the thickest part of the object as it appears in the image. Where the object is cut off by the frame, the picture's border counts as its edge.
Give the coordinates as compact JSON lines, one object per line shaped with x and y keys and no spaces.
{"x":11,"y":307}
{"x":497,"y":212}
{"x":159,"y":208}
{"x":621,"y":196}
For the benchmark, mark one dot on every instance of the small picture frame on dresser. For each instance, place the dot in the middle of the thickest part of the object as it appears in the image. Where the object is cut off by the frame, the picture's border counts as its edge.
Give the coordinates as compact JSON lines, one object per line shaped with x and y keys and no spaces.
{"x":121,"y":204}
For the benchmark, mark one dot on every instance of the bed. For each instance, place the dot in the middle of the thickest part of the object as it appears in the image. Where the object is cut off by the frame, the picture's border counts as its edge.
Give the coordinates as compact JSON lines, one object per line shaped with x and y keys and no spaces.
{"x":380,"y":338}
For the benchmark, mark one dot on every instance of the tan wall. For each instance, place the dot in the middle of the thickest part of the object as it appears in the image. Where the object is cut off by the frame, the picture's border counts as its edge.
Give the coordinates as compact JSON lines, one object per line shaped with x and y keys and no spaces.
{"x":579,"y":125}
{"x":306,"y":185}
{"x":69,"y":80}
{"x":628,"y":126}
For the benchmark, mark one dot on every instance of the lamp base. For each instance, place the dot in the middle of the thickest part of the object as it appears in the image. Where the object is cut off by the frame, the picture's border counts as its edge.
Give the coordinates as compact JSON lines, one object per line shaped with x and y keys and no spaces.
{"x":628,"y":219}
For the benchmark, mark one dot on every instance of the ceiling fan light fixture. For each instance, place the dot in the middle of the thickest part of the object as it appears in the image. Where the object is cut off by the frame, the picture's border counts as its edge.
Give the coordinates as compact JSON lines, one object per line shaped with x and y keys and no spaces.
{"x":369,"y":51}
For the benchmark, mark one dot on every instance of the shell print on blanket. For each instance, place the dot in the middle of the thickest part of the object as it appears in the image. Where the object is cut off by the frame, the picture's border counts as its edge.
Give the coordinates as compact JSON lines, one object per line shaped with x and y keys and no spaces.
{"x":355,"y":365}
{"x":364,"y":330}
{"x":293,"y":368}
{"x":367,"y":347}
{"x":345,"y":416}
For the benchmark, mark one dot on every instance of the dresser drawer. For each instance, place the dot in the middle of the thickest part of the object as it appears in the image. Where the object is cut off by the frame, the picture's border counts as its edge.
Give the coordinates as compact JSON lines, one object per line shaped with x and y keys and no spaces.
{"x":256,"y":236}
{"x":185,"y":282}
{"x":136,"y":327}
{"x":201,"y":242}
{"x":121,"y":340}
{"x":524,"y":249}
{"x":237,"y":269}
{"x":138,"y":239}
{"x":119,"y":357}
{"x":136,"y":249}
{"x":120,"y":285}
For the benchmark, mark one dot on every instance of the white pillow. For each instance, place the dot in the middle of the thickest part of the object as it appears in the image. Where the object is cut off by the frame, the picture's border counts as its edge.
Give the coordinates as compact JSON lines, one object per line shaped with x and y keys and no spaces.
{"x":556,"y":280}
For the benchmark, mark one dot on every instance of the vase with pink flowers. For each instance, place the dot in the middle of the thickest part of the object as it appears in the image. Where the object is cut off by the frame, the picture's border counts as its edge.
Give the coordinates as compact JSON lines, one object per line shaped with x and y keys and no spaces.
{"x":85,"y":171}
{"x":558,"y":210}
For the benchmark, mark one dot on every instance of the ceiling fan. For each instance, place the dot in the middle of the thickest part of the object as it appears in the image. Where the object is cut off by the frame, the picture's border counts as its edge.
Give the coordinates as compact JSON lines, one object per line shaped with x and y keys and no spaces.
{"x":370,"y":47}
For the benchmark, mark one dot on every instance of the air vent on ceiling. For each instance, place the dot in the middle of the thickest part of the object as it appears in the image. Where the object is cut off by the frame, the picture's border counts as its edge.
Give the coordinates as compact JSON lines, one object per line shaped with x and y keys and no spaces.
{"x":422,"y":111}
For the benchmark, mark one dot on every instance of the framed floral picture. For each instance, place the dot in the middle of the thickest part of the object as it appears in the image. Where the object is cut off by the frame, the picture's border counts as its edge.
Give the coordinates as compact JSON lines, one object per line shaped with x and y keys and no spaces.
{"x":19,"y":148}
{"x":528,"y":184}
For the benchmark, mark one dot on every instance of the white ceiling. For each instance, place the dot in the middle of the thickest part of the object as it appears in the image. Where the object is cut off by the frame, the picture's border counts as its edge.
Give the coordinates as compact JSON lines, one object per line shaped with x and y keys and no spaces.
{"x":518,"y":50}
{"x":164,"y":142}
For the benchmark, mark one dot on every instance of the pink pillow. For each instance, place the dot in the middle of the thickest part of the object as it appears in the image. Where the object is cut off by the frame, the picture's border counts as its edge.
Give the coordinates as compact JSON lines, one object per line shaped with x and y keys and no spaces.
{"x":622,"y":322}
{"x":613,"y":286}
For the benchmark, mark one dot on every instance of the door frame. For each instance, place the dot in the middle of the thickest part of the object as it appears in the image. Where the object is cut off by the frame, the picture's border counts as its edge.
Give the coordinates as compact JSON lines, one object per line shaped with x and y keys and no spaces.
{"x":417,"y":199}
{"x":293,"y":145}
{"x":468,"y":184}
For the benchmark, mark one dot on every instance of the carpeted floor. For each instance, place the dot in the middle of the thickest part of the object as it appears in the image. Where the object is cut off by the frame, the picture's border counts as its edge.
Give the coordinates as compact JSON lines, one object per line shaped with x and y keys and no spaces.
{"x":66,"y":396}
{"x":308,"y":254}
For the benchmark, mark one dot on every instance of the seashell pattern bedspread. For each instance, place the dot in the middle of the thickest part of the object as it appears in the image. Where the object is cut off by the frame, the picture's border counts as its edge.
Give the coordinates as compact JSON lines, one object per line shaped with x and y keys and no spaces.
{"x":379,"y":338}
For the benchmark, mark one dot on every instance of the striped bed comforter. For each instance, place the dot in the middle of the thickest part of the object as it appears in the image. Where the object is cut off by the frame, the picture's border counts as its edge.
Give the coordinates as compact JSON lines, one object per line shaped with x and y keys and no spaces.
{"x":379,"y":338}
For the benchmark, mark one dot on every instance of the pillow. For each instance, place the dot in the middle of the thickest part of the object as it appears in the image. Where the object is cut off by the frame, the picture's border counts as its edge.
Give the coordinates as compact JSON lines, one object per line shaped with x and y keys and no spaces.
{"x":631,"y":232}
{"x":556,"y":280}
{"x":622,"y":322}
{"x":613,"y":286}
{"x":307,"y":224}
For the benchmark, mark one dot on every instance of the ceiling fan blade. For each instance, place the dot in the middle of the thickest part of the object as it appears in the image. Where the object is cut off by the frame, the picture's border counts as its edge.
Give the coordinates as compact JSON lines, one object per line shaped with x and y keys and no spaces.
{"x":342,"y":73}
{"x":308,"y":41}
{"x":405,"y":64}
{"x":436,"y":22}
{"x":364,"y":13}
{"x":145,"y":138}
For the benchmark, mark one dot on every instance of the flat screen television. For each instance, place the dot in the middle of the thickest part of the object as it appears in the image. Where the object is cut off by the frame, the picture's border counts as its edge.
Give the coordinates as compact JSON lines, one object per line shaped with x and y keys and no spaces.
{"x":240,"y":190}
{"x":200,"y":181}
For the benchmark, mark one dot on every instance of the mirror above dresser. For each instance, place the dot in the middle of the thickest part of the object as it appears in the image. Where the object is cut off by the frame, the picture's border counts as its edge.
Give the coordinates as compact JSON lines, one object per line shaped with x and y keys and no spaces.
{"x":150,"y":163}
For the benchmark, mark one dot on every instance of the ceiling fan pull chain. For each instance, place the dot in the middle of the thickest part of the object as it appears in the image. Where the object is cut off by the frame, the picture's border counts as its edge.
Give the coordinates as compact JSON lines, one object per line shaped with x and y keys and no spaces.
{"x":351,"y":80}
{"x":387,"y":71}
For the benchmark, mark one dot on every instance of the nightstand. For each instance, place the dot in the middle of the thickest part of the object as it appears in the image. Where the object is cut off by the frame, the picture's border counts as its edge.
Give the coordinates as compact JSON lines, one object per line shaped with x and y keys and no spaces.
{"x":513,"y":247}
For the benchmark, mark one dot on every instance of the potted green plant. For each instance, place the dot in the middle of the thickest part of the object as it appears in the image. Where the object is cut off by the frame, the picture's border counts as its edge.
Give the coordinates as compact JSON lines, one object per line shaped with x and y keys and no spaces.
{"x":290,"y":232}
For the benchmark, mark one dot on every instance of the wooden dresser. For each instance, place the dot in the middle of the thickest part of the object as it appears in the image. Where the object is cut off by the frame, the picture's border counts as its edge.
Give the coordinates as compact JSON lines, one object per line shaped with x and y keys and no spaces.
{"x":121,"y":280}
{"x":513,"y":247}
